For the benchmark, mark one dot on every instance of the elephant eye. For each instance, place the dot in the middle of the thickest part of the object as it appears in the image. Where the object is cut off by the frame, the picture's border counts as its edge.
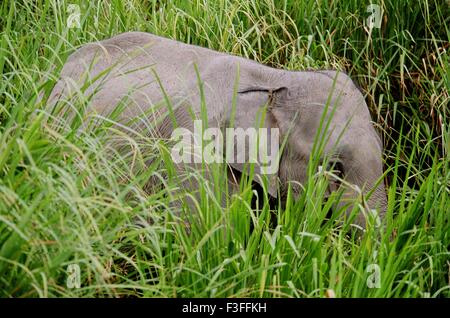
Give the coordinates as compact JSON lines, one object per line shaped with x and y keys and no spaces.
{"x":337,"y":168}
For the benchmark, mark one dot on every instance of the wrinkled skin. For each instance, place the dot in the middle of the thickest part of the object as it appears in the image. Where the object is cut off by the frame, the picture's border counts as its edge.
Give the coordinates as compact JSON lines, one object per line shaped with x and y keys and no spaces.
{"x":295,"y":102}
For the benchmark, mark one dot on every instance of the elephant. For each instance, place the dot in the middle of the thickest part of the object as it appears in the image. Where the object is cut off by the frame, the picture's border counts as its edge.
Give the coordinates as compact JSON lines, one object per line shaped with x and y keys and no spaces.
{"x":143,"y":69}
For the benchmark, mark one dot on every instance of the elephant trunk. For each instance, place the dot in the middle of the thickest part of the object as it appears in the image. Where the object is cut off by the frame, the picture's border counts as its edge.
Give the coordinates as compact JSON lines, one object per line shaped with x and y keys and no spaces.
{"x":363,"y":173}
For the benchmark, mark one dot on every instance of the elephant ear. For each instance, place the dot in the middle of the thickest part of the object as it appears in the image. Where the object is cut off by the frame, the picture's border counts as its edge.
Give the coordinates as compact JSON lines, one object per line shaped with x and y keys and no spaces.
{"x":253,"y":116}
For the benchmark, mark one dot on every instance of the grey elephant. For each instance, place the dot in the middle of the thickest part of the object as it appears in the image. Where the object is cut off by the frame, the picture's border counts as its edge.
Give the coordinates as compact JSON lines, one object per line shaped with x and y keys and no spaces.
{"x":139,"y":70}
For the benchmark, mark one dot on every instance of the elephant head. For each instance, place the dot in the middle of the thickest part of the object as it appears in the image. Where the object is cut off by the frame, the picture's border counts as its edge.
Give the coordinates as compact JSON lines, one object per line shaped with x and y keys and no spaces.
{"x":305,"y":105}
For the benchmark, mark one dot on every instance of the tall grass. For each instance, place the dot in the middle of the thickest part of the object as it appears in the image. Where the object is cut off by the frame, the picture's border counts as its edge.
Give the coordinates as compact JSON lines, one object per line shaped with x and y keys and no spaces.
{"x":65,"y":200}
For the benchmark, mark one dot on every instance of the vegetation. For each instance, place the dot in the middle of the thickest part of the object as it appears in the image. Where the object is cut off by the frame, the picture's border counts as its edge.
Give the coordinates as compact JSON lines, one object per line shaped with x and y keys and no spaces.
{"x":64,"y":200}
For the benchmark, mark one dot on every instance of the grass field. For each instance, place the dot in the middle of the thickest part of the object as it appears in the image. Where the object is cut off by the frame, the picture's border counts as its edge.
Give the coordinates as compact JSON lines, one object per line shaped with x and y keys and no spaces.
{"x":65,"y":204}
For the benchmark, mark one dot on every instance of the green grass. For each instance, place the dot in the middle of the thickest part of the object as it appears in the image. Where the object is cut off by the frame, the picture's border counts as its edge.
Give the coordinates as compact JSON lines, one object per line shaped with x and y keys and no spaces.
{"x":65,"y":200}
